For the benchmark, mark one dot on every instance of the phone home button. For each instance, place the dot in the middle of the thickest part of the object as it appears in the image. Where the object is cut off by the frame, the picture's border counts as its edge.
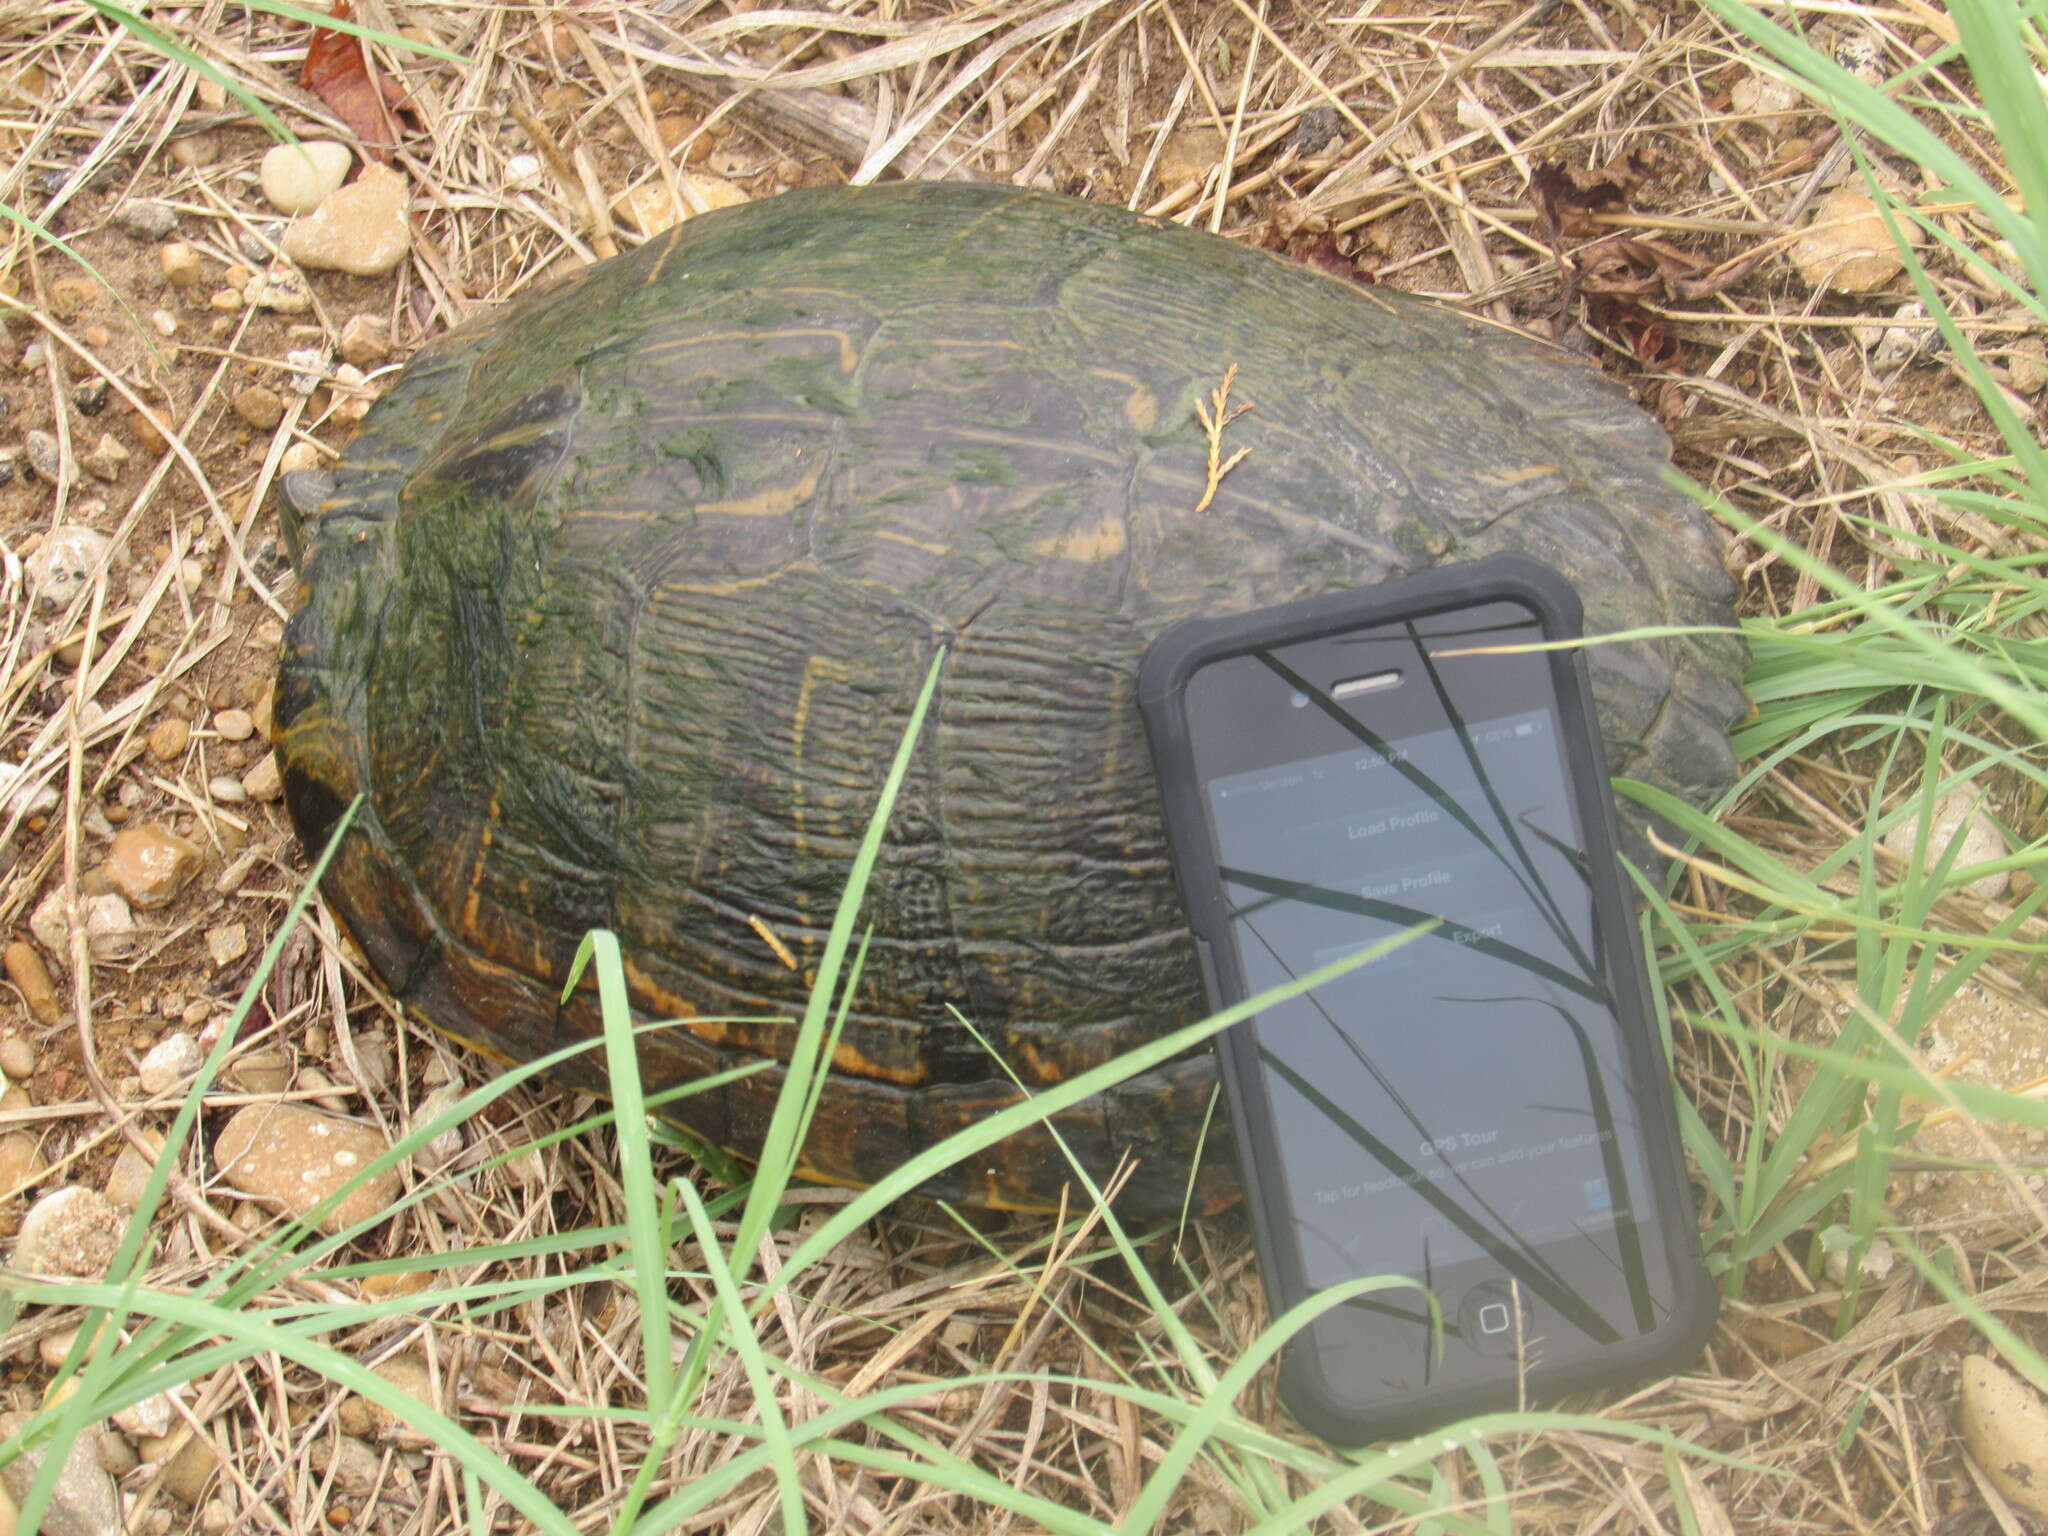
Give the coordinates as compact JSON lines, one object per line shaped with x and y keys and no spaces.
{"x":1486,"y":1319}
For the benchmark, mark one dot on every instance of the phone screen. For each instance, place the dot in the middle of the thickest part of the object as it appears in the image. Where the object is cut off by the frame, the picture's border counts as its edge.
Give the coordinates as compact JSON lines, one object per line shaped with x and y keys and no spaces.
{"x":1458,"y":1110}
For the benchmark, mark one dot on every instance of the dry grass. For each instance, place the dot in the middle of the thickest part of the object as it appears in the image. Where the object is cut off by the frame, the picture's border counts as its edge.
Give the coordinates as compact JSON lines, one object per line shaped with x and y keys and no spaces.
{"x":1402,"y":138}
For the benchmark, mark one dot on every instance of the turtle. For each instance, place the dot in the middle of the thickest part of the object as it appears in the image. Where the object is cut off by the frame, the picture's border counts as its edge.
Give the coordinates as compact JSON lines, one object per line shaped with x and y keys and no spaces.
{"x":614,"y":611}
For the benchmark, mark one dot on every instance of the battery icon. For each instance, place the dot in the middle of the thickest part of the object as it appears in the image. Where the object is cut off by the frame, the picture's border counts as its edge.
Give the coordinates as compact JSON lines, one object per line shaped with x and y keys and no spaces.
{"x":1526,"y":728}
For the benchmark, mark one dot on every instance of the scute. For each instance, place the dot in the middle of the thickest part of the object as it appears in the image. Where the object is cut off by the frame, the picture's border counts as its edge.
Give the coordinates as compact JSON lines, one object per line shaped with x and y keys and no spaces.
{"x":621,"y":600}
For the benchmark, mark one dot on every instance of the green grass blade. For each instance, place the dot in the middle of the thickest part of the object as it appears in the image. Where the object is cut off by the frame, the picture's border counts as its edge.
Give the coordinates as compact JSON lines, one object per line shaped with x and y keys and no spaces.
{"x":786,"y":1127}
{"x":649,"y":1244}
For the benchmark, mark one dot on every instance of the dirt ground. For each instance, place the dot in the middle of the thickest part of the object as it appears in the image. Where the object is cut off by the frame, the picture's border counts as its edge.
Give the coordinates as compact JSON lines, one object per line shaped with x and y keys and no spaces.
{"x":1607,"y":173}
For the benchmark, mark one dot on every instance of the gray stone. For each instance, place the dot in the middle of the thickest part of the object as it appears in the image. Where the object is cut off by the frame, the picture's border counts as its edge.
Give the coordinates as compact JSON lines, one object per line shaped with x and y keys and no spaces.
{"x":73,"y":1232}
{"x":83,"y":1503}
{"x":65,"y":563}
{"x":44,"y":461}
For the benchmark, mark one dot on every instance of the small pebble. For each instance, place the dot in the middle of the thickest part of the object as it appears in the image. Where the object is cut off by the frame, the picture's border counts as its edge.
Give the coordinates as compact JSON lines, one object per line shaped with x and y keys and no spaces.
{"x":300,"y":455}
{"x":299,"y":1156}
{"x":169,"y":1062}
{"x":180,"y":264}
{"x":375,"y":1061}
{"x":227,"y":301}
{"x":21,"y":1161}
{"x":150,"y":1417}
{"x":168,"y":739}
{"x":309,"y":368}
{"x":298,"y":178}
{"x":362,"y":229}
{"x":109,"y":927}
{"x":128,"y":1180}
{"x":7,"y":470}
{"x":18,"y":1056}
{"x":187,"y":1470}
{"x":83,"y":1500}
{"x":65,"y":565}
{"x":1846,"y":245}
{"x":149,"y":433}
{"x":50,"y":925}
{"x":259,"y":406}
{"x":73,"y":1231}
{"x":116,"y":1453}
{"x":165,"y":322}
{"x":194,"y":150}
{"x":226,"y":790}
{"x":44,"y":461}
{"x":55,"y":1348}
{"x":1960,"y":813}
{"x":150,"y":865}
{"x":280,"y":290}
{"x":227,"y":943}
{"x":354,"y":1468}
{"x":32,"y":356}
{"x":365,"y":340}
{"x":106,"y":458}
{"x":70,"y":295}
{"x":261,"y":1072}
{"x":313,"y":1080}
{"x":262,"y":782}
{"x":90,"y":397}
{"x":230,"y":879}
{"x":2028,"y":368}
{"x":31,"y":978}
{"x":235,"y":724}
{"x":146,"y":219}
{"x":239,"y":277}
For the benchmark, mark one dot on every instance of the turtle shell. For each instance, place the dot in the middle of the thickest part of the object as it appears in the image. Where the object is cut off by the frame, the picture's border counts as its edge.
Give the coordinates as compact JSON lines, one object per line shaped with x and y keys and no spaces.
{"x":624,"y":593}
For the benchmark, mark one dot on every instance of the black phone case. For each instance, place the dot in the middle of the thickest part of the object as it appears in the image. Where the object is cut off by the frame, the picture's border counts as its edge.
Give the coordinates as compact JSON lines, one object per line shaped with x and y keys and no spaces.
{"x":1162,"y":680}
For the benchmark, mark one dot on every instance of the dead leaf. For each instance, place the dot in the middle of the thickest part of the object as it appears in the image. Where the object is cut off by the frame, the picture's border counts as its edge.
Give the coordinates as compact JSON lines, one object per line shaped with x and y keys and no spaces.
{"x":1565,"y":202}
{"x":1301,"y":235}
{"x":337,"y":70}
{"x":1647,"y":338}
{"x":1322,"y":253}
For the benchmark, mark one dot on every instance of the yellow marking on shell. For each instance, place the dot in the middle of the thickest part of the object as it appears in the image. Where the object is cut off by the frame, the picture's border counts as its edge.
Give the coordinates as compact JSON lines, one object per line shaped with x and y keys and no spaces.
{"x":903,"y":538}
{"x":472,"y":904}
{"x":731,"y":588}
{"x":773,"y":940}
{"x":666,"y":1002}
{"x":668,"y":249}
{"x":706,"y":1029}
{"x":1141,"y":406}
{"x":849,"y":352}
{"x":775,"y":501}
{"x":514,"y":437}
{"x":816,"y":668}
{"x":849,"y":1059}
{"x":971,"y":344}
{"x":1521,"y":476}
{"x":1090,"y":545}
{"x":488,"y":1052}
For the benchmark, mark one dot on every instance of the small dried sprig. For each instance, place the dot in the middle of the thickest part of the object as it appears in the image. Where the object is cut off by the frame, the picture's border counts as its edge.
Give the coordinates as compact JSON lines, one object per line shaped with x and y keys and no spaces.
{"x":1216,"y":413}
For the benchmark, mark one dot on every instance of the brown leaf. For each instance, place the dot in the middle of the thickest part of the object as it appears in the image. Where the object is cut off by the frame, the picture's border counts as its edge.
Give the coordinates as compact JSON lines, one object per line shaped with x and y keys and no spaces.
{"x":338,"y":71}
{"x":1647,"y":337}
{"x":1721,"y":278}
{"x":1565,"y":203}
{"x":1322,"y":252}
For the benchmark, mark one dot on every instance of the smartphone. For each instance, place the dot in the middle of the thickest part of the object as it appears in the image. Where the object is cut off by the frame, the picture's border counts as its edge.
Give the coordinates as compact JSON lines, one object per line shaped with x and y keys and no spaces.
{"x":1484,"y":1110}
